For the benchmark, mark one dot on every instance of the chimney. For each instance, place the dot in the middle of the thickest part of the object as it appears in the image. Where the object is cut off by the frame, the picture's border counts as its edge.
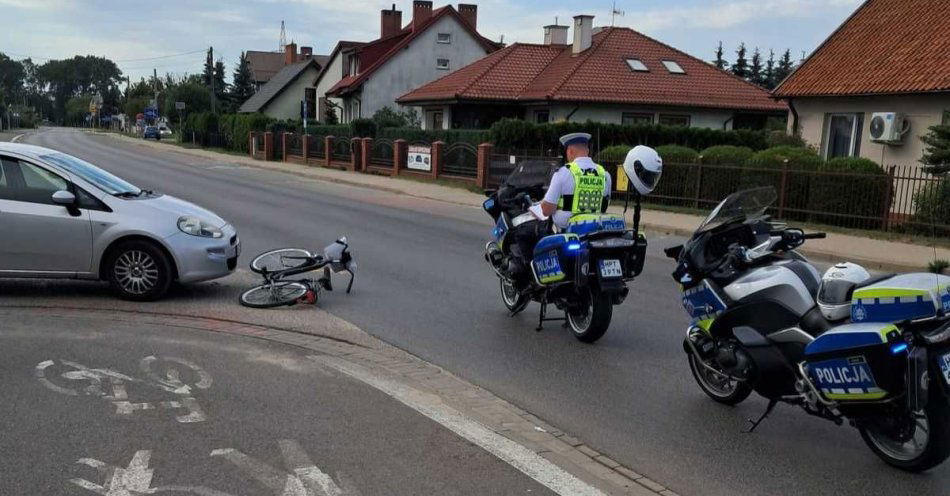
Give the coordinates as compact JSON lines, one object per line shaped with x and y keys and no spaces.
{"x":306,"y":52}
{"x":290,"y":53}
{"x":555,"y":34}
{"x":469,"y":12}
{"x":583,"y":31}
{"x":421,"y":12}
{"x":390,"y":22}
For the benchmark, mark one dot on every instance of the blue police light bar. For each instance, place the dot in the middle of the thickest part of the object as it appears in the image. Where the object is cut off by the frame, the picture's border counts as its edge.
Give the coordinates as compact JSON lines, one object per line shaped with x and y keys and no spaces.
{"x":573,"y":246}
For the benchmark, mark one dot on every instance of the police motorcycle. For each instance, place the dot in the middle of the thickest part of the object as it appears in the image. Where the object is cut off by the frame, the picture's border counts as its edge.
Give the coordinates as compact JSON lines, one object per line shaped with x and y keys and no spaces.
{"x":583,"y":270}
{"x":873,"y":352}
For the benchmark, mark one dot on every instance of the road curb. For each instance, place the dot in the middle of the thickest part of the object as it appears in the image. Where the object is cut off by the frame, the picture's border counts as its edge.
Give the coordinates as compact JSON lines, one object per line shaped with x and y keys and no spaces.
{"x":497,"y":415}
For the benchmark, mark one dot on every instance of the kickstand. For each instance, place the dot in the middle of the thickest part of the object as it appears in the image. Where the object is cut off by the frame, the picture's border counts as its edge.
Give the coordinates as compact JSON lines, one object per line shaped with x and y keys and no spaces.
{"x":768,"y":410}
{"x":544,"y":310}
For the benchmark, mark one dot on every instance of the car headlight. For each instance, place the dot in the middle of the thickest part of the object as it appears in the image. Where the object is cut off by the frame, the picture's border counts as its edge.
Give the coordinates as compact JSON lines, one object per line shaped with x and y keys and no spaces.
{"x":198,"y":227}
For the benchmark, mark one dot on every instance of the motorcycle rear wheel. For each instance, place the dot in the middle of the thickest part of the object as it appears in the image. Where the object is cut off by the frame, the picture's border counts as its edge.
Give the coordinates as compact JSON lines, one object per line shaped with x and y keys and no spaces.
{"x":589,"y":322}
{"x":929,"y":442}
{"x":514,"y":301}
{"x":718,"y":387}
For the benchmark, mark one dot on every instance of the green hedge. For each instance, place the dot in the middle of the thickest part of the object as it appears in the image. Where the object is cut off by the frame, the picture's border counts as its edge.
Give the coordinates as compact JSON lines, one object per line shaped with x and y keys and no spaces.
{"x":850,"y":194}
{"x":236,"y":128}
{"x":765,"y":169}
{"x":364,"y":128}
{"x":679,"y":172}
{"x":517,"y":133}
{"x":473,"y":137}
{"x":718,"y":183}
{"x":932,"y":209}
{"x":340,"y":130}
{"x":614,"y":154}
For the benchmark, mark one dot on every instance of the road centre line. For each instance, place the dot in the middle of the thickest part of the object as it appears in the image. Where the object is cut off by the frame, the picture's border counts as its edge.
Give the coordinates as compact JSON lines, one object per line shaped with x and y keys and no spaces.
{"x":516,"y":455}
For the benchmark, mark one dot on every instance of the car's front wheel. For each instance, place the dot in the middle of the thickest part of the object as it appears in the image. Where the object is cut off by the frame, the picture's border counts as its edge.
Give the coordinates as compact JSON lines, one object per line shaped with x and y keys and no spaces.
{"x":139,"y":271}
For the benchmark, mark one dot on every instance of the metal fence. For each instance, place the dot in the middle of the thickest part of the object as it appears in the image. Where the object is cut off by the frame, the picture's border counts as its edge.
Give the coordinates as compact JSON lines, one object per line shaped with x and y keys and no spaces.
{"x":258,"y":144}
{"x":342,"y":150}
{"x":501,"y":165}
{"x":316,"y":146}
{"x":903,"y":199}
{"x":460,"y":159}
{"x":294,"y":144}
{"x":382,"y":152}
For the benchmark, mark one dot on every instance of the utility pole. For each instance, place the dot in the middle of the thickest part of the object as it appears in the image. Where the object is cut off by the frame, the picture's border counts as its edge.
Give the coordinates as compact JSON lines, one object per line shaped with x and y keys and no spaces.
{"x":155,"y":88}
{"x":211,"y":65}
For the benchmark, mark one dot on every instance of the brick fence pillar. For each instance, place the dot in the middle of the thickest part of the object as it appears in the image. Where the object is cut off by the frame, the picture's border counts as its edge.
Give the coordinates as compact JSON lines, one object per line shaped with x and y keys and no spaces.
{"x":437,"y":158}
{"x":268,"y":146}
{"x":366,"y":147}
{"x":305,"y":146}
{"x":327,"y":150}
{"x":400,"y":151}
{"x":356,"y":154}
{"x":484,"y":155}
{"x":250,"y":143}
{"x":283,"y":146}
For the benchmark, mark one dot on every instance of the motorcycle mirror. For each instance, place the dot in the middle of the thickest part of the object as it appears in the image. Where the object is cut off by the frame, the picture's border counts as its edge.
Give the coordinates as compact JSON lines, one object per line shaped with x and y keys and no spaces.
{"x":490,"y":192}
{"x":674,"y":252}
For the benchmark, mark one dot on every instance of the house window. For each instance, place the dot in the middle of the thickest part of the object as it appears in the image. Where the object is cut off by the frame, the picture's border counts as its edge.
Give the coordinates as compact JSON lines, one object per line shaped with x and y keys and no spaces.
{"x":637,"y":65}
{"x":445,"y":38}
{"x":542,"y":116}
{"x":310,"y":103}
{"x":674,"y":120}
{"x":946,"y":118}
{"x":631,"y":118}
{"x":673,"y":67}
{"x":436,"y":119}
{"x":442,"y":64}
{"x":843,"y":135}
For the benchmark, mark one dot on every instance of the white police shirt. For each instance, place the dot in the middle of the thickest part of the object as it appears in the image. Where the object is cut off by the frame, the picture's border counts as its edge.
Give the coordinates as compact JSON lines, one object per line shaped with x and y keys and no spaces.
{"x":563,"y":184}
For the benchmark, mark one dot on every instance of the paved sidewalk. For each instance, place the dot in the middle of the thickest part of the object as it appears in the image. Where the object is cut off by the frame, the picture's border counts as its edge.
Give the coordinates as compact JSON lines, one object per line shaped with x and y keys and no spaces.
{"x":875,"y":254}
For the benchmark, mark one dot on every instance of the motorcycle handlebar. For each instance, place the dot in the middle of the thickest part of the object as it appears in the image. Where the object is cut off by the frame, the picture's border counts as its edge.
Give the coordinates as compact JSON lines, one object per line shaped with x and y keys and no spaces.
{"x":815,"y":236}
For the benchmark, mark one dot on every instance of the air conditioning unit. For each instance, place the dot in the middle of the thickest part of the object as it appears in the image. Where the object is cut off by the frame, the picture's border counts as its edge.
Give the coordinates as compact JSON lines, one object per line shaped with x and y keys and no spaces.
{"x":888,"y":127}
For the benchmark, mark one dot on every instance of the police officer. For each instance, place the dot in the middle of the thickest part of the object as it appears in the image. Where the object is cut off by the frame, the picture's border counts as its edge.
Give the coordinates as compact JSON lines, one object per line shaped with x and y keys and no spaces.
{"x":580,"y":187}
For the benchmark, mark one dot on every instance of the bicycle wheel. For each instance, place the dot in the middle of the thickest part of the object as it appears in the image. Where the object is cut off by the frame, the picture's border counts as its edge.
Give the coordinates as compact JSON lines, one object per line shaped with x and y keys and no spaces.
{"x":280,"y":259}
{"x":273,"y":294}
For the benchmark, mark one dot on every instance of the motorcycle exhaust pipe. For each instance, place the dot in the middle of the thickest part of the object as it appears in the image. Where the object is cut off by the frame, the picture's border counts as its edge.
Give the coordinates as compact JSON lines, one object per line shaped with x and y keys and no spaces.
{"x":494,"y":257}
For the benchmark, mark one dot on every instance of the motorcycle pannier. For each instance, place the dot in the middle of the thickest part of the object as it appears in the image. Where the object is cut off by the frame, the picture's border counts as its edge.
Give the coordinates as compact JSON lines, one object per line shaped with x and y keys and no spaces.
{"x":858,"y":362}
{"x":554,"y":257}
{"x":901,"y":298}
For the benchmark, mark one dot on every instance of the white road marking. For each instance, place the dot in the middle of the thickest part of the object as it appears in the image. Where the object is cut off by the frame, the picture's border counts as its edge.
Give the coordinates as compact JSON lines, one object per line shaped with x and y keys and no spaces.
{"x":16,"y":138}
{"x":305,"y":480}
{"x":135,"y":479}
{"x":430,"y":405}
{"x":88,"y":381}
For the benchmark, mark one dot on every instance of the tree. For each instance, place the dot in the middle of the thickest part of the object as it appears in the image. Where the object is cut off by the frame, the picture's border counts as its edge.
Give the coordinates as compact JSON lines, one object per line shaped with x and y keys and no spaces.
{"x":784,"y":68}
{"x":720,"y":62}
{"x":221,"y":93}
{"x":208,"y":72}
{"x":755,"y":71}
{"x":76,"y":109}
{"x":11,"y":80}
{"x":387,"y":117}
{"x":330,"y":118}
{"x":78,"y":76}
{"x":197,"y":98}
{"x":769,"y":75}
{"x":937,"y":153}
{"x":243,"y":81}
{"x":741,"y":67}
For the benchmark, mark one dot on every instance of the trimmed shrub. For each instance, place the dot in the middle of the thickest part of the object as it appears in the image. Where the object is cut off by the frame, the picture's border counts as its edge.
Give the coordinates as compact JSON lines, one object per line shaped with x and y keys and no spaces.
{"x":614,"y":154}
{"x":473,"y":137}
{"x":363,"y":128}
{"x":720,"y":182}
{"x":520,"y":134}
{"x":938,"y":266}
{"x":781,"y":138}
{"x":765,"y":168}
{"x":679,"y":172}
{"x":861,"y":189}
{"x":235,"y":128}
{"x":932,"y":209}
{"x":337,"y":130}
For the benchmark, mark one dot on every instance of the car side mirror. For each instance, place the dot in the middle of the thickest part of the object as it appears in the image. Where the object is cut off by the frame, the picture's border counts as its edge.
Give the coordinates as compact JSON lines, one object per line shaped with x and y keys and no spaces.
{"x":64,"y":198}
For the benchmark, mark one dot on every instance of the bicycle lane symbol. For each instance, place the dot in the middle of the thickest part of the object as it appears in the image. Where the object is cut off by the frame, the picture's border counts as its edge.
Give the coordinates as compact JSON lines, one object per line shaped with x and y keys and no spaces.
{"x":74,"y":379}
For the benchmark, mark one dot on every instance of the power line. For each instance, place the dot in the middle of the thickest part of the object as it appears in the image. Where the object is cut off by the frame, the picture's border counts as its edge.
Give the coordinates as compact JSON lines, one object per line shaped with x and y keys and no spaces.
{"x":161,"y":56}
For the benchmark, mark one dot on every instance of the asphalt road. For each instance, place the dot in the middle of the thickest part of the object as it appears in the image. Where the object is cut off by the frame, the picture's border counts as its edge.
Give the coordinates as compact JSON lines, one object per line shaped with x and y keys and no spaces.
{"x":424,"y":286}
{"x":120,"y":407}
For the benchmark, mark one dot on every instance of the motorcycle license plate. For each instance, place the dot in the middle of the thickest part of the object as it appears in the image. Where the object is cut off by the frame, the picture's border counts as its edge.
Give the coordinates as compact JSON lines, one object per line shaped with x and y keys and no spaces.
{"x":850,"y":375}
{"x":610,"y":268}
{"x":945,"y":367}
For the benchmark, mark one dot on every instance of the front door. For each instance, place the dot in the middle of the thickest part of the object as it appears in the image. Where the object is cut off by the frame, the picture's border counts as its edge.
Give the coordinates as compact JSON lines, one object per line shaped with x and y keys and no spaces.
{"x":36,"y":235}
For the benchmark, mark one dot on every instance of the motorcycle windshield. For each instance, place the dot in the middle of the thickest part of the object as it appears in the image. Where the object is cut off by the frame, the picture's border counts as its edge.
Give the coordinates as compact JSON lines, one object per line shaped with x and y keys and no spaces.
{"x":739,"y":207}
{"x":531,"y":173}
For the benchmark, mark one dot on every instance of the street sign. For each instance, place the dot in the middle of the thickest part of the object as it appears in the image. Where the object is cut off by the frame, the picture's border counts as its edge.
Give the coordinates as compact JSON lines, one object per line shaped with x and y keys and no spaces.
{"x":179,"y":105}
{"x":151,"y":113}
{"x":92,"y":107}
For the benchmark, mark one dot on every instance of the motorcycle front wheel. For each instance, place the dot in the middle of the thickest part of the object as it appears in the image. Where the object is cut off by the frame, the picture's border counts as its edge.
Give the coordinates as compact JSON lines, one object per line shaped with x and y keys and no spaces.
{"x":916,"y":443}
{"x":718,"y":386}
{"x":589,"y":321}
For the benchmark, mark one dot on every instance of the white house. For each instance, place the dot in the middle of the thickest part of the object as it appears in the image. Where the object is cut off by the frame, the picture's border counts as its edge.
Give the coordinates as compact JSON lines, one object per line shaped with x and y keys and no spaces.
{"x":433,"y":44}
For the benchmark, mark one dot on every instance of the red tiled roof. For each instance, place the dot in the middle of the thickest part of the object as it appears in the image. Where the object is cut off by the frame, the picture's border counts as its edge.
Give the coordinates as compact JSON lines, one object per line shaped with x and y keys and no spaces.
{"x":375,"y":54}
{"x":885,"y":47}
{"x":526,"y":73}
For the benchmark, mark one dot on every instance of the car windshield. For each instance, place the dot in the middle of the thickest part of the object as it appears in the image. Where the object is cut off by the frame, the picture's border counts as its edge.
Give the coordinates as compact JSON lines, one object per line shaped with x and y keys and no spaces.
{"x":92,"y":174}
{"x":739,"y":207}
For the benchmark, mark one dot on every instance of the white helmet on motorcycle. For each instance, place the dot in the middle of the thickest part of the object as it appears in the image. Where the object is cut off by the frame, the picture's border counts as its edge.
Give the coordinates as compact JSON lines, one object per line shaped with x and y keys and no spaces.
{"x":837,"y":285}
{"x":644,"y":168}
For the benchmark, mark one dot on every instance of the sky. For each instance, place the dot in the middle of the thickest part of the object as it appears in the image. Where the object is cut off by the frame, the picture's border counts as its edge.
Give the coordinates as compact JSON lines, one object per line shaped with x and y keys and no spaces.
{"x":171,"y":36}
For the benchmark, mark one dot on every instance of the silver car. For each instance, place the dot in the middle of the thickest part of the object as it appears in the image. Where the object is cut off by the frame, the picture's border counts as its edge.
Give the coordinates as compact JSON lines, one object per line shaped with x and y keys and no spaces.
{"x":62,"y":217}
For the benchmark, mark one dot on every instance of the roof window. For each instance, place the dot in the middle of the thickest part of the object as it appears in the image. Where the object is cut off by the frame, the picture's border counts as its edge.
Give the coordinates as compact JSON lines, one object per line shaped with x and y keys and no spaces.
{"x":673,"y":67}
{"x":637,"y":65}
